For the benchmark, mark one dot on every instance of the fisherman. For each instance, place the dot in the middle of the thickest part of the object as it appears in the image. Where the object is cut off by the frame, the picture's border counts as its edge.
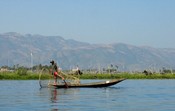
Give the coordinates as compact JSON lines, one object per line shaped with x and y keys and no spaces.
{"x":78,"y":71}
{"x":56,"y":71}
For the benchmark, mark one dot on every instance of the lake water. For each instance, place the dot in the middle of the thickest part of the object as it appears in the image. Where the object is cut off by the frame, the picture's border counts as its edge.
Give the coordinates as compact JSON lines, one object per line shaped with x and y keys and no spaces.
{"x":129,"y":95}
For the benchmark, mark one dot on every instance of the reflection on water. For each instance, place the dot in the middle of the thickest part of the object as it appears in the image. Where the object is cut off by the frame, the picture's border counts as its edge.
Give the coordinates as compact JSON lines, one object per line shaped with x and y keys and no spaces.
{"x":55,"y":93}
{"x":81,"y":98}
{"x":129,"y":95}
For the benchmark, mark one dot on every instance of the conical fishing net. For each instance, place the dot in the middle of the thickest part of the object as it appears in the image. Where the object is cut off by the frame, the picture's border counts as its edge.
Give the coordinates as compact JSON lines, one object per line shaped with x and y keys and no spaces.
{"x":46,"y":78}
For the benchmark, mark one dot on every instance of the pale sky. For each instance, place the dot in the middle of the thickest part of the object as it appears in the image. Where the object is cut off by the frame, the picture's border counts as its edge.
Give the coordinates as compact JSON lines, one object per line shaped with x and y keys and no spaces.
{"x":135,"y":22}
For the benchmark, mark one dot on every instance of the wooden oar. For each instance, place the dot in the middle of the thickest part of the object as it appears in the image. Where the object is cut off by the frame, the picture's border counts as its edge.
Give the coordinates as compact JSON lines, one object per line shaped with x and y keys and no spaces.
{"x":65,"y":84}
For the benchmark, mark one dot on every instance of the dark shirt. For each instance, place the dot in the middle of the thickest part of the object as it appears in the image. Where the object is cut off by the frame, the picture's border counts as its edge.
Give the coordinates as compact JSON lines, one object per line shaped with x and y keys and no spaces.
{"x":54,"y":68}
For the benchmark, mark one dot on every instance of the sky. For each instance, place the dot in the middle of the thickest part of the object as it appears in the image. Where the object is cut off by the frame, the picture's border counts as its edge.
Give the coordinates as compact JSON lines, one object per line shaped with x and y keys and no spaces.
{"x":134,"y":22}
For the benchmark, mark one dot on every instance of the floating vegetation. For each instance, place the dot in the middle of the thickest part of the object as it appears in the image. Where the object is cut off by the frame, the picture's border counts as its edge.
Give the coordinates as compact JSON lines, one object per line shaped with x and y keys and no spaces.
{"x":35,"y":76}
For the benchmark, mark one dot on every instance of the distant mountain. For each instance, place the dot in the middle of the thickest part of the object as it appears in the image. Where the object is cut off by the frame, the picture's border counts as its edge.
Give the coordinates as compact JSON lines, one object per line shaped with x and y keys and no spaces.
{"x":18,"y":49}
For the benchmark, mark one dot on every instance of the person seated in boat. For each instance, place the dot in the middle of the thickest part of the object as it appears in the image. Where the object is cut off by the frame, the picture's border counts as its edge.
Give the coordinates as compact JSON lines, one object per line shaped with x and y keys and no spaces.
{"x":78,"y":72}
{"x":55,"y":71}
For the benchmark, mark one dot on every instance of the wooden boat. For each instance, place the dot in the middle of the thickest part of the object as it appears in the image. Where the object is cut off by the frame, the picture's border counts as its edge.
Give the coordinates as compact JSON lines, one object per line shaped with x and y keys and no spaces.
{"x":88,"y":85}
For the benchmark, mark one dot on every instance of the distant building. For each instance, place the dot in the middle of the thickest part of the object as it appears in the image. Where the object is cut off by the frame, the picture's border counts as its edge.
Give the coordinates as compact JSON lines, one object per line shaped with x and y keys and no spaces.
{"x":3,"y":70}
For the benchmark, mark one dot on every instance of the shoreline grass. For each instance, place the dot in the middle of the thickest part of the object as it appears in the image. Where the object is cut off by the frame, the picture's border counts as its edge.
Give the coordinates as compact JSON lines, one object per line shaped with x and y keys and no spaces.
{"x":128,"y":76}
{"x":33,"y":76}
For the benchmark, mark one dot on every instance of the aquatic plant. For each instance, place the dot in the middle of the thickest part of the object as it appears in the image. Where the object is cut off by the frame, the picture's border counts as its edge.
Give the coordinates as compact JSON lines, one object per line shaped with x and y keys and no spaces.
{"x":35,"y":76}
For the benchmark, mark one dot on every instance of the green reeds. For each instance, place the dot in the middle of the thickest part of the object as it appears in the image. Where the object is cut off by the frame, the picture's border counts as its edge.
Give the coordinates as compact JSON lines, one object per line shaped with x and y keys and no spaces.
{"x":33,"y":76}
{"x":15,"y":76}
{"x":127,"y":76}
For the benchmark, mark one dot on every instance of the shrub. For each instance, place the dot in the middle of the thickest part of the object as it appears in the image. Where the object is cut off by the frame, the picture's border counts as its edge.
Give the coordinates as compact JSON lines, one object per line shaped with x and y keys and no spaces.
{"x":21,"y":71}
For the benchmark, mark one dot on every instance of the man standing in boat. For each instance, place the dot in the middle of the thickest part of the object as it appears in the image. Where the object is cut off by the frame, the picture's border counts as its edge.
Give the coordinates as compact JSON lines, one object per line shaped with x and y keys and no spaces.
{"x":55,"y":71}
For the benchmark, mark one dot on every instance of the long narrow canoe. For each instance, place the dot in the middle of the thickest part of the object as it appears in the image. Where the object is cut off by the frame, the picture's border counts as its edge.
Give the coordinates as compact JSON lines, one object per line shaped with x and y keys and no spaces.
{"x":89,"y":85}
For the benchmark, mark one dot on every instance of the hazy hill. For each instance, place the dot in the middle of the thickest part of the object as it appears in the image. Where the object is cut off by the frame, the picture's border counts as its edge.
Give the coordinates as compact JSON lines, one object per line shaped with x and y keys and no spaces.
{"x":17,"y":49}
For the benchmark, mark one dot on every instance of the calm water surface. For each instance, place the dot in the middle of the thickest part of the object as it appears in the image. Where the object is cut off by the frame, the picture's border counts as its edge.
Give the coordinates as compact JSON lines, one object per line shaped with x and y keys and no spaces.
{"x":129,"y":95}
